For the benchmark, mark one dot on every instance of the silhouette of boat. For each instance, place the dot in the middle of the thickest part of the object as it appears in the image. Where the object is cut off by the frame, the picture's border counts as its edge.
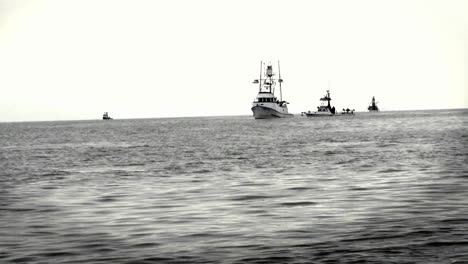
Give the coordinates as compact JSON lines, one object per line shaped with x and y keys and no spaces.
{"x":325,"y":109}
{"x":373,"y":106}
{"x":106,"y":116}
{"x":347,"y":111}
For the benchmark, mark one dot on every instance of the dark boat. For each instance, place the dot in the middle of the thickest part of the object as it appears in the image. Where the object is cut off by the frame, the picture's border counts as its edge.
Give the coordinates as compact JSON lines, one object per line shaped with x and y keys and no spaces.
{"x":325,"y":108}
{"x":106,"y":116}
{"x":373,"y":107}
{"x":347,"y":111}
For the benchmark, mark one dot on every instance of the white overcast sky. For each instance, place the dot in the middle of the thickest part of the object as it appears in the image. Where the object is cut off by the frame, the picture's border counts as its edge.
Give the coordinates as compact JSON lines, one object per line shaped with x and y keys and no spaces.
{"x":67,"y":60}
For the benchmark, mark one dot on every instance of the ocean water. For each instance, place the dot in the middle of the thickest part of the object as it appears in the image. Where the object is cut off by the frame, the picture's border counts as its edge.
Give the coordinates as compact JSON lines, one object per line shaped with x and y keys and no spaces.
{"x":390,"y":187}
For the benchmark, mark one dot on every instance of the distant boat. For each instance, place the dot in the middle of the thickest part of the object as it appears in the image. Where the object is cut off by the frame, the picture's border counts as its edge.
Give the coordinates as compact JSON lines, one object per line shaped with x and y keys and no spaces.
{"x":347,"y":111}
{"x":373,"y":106}
{"x":266,"y":105}
{"x":106,"y":116}
{"x":325,"y":109}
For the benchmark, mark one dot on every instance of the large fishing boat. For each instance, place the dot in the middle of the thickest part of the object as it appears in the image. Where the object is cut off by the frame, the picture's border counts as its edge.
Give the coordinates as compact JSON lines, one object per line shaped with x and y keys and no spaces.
{"x":373,"y":106}
{"x":266,"y":105}
{"x":325,"y":109}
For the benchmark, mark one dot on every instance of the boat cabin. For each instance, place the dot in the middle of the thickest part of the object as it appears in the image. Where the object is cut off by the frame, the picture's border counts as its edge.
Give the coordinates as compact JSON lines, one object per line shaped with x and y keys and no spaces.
{"x":266,"y":97}
{"x":265,"y":100}
{"x":325,"y":105}
{"x":322,"y":108}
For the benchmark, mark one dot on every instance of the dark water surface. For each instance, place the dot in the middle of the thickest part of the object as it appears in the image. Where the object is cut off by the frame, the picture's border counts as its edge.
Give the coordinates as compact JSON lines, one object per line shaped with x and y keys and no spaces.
{"x":390,"y":187}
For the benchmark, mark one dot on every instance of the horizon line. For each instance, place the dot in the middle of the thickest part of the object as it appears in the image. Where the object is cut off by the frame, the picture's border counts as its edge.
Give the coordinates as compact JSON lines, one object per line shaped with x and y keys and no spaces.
{"x":174,"y":117}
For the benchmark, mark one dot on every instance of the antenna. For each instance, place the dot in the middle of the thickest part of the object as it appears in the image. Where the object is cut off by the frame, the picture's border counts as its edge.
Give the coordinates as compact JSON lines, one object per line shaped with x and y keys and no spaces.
{"x":260,"y":83}
{"x":280,"y":81}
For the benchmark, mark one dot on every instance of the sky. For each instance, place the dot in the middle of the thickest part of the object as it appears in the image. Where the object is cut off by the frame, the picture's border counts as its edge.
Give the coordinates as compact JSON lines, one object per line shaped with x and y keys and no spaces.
{"x":75,"y":59}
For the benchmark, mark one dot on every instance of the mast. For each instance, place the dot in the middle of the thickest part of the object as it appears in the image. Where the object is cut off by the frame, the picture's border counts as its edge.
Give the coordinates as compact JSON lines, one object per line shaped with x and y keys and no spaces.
{"x":280,"y":81}
{"x":269,"y":74}
{"x":260,"y":82}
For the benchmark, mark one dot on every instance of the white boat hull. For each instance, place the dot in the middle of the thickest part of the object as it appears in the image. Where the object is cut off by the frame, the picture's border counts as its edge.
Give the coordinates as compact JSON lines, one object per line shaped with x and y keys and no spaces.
{"x":313,"y":114}
{"x":261,"y":112}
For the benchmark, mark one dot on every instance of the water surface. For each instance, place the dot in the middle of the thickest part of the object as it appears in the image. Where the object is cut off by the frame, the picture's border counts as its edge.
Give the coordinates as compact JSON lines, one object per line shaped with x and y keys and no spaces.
{"x":390,"y":187}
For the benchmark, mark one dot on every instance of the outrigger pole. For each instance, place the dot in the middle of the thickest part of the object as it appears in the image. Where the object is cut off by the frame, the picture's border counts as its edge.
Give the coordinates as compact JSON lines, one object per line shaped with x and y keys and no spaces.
{"x":280,"y":81}
{"x":260,"y":80}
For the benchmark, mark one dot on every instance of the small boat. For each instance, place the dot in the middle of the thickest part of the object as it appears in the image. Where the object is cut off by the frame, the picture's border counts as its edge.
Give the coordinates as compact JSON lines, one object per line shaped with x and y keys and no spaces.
{"x":373,"y":106}
{"x":325,"y":109}
{"x":347,"y":111}
{"x":266,"y":105}
{"x":106,"y":116}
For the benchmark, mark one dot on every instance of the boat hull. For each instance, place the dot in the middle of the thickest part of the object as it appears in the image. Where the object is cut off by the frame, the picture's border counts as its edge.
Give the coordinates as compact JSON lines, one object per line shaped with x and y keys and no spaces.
{"x":314,"y":114}
{"x":261,"y":112}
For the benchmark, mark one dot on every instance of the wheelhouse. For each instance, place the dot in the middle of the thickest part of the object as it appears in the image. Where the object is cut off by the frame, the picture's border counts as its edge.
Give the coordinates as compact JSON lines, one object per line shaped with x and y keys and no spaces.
{"x":265,"y":100}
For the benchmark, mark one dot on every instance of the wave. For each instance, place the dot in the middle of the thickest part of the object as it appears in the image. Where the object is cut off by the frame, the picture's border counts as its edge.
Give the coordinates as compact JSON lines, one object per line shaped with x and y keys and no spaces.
{"x":301,"y":203}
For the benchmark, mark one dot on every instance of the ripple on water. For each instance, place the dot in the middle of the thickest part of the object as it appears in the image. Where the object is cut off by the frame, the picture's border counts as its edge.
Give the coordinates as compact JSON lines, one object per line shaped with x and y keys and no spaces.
{"x":378,"y":188}
{"x":252,"y":197}
{"x":298,"y":203}
{"x":390,"y":171}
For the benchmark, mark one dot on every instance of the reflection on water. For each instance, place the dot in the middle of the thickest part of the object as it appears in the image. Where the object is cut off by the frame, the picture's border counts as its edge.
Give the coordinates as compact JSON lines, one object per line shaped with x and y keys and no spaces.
{"x":389,"y":188}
